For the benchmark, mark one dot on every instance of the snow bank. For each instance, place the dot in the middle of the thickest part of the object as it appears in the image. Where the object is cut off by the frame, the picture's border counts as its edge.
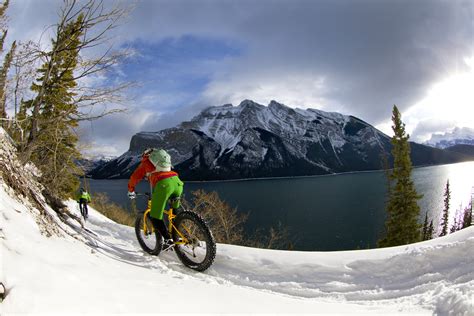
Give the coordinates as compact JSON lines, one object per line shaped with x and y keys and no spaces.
{"x":109,"y":274}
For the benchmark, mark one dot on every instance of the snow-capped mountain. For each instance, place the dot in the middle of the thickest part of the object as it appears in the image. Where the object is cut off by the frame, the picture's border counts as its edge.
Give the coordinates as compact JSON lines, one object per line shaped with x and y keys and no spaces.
{"x":252,"y":140}
{"x":458,"y":136}
{"x":88,"y":164}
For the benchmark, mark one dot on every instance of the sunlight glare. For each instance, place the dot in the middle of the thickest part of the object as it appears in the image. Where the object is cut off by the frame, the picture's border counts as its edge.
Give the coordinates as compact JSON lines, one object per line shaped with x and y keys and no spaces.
{"x":449,"y":102}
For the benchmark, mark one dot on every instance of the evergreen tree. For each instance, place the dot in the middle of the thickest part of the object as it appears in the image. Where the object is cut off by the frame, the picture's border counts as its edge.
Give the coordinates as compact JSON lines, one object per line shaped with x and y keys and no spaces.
{"x":93,"y":22}
{"x":55,"y":146}
{"x":425,"y":227}
{"x":402,"y":225}
{"x":7,"y":62}
{"x":430,"y":230}
{"x":2,"y":38}
{"x":454,"y":227}
{"x":445,"y":215}
{"x":467,"y":216}
{"x":3,"y":80}
{"x":3,"y":9}
{"x":52,"y":114}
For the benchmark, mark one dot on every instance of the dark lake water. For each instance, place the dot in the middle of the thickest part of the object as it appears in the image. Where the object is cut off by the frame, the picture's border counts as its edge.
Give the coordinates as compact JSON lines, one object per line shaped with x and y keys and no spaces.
{"x":334,"y":212}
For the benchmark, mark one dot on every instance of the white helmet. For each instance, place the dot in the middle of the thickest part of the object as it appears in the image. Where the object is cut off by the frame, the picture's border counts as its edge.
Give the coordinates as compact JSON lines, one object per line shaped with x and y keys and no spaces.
{"x":160,"y":159}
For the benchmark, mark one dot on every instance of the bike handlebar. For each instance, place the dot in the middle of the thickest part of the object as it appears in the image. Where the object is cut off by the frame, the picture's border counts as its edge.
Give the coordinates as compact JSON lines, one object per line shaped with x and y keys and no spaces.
{"x":143,"y":194}
{"x":133,"y":202}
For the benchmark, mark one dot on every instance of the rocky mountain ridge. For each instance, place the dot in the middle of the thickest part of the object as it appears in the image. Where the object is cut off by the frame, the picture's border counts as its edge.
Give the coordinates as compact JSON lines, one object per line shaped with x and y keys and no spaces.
{"x":251,"y":140}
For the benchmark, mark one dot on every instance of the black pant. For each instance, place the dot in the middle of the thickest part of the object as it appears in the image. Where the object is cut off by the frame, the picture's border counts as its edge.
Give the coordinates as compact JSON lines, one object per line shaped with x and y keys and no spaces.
{"x":160,"y":226}
{"x":83,"y":208}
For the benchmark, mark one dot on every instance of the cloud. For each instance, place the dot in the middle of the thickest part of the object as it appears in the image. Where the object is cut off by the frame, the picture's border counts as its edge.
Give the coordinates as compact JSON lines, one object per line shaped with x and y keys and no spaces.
{"x":112,"y":132}
{"x":110,"y":136}
{"x":356,"y":57}
{"x":293,"y":90}
{"x":371,"y":54}
{"x":447,"y":104}
{"x":425,"y":128}
{"x":31,"y":20}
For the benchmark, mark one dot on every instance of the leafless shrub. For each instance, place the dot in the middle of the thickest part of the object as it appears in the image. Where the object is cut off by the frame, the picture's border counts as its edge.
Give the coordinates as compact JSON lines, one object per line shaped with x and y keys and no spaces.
{"x":102,"y":203}
{"x":226,"y":223}
{"x":275,"y":238}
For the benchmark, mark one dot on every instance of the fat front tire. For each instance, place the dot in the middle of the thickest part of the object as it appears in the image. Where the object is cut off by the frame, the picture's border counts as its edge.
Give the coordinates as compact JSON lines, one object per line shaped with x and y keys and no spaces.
{"x":200,"y":250}
{"x":150,"y":241}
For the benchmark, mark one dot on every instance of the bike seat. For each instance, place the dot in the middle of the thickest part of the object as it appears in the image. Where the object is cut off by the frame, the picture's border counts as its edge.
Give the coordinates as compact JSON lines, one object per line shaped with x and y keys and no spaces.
{"x":173,"y":200}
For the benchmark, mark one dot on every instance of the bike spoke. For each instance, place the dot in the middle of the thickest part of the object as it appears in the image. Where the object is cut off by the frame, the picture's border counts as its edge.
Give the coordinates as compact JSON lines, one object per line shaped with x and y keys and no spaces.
{"x":195,"y":249}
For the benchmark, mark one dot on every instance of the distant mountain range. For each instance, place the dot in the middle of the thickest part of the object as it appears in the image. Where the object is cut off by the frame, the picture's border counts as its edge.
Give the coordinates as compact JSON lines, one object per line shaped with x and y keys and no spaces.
{"x":458,"y":136}
{"x":89,"y":164}
{"x":252,"y":140}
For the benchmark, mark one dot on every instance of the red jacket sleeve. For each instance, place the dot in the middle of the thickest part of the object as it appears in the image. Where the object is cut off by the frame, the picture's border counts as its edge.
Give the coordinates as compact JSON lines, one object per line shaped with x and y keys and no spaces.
{"x":144,"y":167}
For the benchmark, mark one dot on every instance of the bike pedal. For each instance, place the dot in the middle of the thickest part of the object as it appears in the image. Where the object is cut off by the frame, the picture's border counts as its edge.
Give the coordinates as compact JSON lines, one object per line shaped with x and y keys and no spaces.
{"x":168,"y":246}
{"x":171,"y":248}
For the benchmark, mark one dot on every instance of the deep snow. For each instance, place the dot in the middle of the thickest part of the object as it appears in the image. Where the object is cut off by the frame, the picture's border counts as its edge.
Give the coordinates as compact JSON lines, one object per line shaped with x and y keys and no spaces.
{"x":101,"y":270}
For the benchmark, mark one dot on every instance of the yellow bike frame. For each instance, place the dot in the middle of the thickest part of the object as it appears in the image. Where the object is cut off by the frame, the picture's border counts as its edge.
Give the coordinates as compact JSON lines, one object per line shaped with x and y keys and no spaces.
{"x":171,"y":217}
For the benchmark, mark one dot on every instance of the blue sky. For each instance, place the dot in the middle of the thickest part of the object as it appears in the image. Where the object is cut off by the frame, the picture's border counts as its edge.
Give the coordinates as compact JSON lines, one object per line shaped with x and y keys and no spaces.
{"x":176,"y":71}
{"x":357,"y":57}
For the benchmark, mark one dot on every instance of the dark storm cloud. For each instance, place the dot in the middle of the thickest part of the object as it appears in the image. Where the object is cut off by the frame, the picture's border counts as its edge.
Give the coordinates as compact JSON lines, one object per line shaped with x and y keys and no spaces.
{"x":371,"y":54}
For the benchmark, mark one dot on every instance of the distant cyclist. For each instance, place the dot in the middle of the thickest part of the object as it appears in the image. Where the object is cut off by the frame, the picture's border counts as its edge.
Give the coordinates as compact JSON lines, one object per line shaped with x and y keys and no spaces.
{"x":156,"y":166}
{"x":83,"y":198}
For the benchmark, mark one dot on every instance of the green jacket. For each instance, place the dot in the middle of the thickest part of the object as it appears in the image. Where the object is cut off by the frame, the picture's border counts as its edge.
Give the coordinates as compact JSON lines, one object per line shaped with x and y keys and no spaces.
{"x":84,"y":195}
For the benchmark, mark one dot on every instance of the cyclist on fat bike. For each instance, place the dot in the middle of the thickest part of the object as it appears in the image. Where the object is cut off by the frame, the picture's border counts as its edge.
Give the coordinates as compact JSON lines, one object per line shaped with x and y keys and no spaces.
{"x":156,"y":166}
{"x":83,"y":198}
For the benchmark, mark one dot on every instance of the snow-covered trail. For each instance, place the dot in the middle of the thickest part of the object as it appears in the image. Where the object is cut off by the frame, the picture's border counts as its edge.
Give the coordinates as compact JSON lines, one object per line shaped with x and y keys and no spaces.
{"x":419,"y":275}
{"x":104,"y":271}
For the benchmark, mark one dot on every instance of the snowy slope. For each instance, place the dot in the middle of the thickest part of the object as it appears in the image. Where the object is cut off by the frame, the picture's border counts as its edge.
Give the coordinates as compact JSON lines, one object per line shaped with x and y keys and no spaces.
{"x":101,"y":270}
